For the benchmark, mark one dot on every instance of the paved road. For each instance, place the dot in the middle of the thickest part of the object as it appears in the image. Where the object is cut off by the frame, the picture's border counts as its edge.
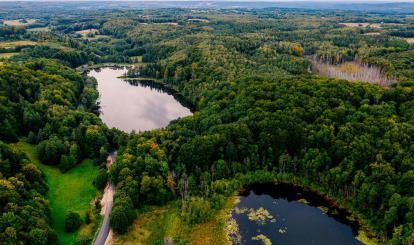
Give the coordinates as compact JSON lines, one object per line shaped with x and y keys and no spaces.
{"x":104,"y":230}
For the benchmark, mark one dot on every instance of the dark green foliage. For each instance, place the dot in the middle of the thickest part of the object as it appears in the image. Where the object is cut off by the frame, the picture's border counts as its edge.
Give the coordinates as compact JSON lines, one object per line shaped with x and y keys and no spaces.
{"x":123,"y":214}
{"x":24,"y":211}
{"x":72,"y":221}
{"x":50,"y":151}
{"x":259,"y":109}
{"x":41,"y":99}
{"x":260,"y":114}
{"x":31,"y":138}
{"x":38,"y":237}
{"x":67,"y":162}
{"x":101,"y":180}
{"x":71,"y":58}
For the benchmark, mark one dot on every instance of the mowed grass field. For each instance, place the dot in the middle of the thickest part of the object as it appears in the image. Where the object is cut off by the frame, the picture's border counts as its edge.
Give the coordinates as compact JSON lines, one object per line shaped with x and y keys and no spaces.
{"x":72,"y":190}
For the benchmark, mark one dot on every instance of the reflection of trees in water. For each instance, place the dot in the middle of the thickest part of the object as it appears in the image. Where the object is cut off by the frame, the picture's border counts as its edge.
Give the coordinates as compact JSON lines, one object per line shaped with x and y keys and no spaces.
{"x":291,"y":193}
{"x":353,"y":71}
{"x":159,"y":87}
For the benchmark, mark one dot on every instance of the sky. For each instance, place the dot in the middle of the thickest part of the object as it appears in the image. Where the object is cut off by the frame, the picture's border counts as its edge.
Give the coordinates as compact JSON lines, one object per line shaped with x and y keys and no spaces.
{"x":275,"y":1}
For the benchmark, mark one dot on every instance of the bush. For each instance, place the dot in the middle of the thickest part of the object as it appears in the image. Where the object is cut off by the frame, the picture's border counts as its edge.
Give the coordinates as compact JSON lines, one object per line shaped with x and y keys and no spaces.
{"x":51,"y":150}
{"x":32,"y":138}
{"x":90,"y":216}
{"x":100,"y":180}
{"x":66,"y":163}
{"x":83,"y":240}
{"x":198,"y":210}
{"x":122,"y":215}
{"x":72,"y":222}
{"x":38,"y":236}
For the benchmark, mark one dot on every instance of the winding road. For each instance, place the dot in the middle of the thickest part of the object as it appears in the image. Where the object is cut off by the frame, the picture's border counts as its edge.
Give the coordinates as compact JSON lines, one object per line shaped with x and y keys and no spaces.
{"x":109,"y":196}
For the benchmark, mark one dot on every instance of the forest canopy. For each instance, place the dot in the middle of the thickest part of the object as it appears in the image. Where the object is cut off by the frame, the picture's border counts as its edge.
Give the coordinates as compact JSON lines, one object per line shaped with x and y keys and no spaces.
{"x":261,"y":114}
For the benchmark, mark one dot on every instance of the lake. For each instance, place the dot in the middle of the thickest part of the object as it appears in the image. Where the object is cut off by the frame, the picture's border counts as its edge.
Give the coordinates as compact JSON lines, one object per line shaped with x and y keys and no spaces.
{"x":135,"y":106}
{"x":286,"y":214}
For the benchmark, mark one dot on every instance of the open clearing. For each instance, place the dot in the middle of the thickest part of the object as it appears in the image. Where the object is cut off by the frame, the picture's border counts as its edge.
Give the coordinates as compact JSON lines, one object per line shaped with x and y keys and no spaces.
{"x":199,"y":20}
{"x":7,"y":55}
{"x":361,"y":24}
{"x":72,"y":190}
{"x":87,"y":31}
{"x":136,"y":59}
{"x":372,"y":34}
{"x":410,"y":40}
{"x":352,"y":71}
{"x":16,"y":44}
{"x":96,"y":37}
{"x":19,"y":22}
{"x":39,"y":29}
{"x":168,"y":23}
{"x":156,"y":223}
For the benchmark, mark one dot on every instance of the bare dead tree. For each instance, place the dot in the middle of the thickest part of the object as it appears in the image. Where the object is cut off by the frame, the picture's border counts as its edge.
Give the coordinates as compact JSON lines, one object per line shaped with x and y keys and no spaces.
{"x":361,"y":72}
{"x":168,"y":241}
{"x":184,"y":190}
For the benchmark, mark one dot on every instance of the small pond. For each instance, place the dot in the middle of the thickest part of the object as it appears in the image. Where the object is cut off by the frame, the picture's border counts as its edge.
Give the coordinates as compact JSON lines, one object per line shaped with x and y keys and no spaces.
{"x":136,"y":106}
{"x":286,"y":214}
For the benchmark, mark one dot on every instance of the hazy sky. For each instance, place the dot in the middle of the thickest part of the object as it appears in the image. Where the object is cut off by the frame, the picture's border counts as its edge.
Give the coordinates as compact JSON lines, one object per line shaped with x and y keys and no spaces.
{"x":275,"y":1}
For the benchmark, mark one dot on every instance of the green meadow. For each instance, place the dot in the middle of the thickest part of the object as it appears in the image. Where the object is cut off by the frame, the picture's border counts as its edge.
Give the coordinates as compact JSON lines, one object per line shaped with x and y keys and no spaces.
{"x":72,"y":190}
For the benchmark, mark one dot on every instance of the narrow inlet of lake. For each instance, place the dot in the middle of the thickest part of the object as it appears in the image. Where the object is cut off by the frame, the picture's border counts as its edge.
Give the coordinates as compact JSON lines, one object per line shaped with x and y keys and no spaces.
{"x":134,"y":107}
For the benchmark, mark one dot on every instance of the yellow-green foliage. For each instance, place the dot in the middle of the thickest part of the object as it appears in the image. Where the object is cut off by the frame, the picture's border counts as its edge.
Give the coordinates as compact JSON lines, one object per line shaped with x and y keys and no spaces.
{"x":260,"y":215}
{"x":17,"y":43}
{"x":265,"y":240}
{"x":350,"y":67}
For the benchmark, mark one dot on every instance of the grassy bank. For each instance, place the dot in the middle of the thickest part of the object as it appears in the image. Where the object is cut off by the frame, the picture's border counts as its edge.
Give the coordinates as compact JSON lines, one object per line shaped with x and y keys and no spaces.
{"x":72,"y":190}
{"x":155,"y":223}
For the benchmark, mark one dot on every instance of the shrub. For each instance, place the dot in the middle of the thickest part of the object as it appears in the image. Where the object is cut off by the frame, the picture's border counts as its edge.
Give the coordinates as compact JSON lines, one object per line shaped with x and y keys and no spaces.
{"x":72,"y":222}
{"x":38,"y":236}
{"x":83,"y":240}
{"x":51,"y":150}
{"x":66,"y":163}
{"x":198,"y":210}
{"x":90,"y":216}
{"x":122,"y":215}
{"x":32,"y":138}
{"x":100,"y":180}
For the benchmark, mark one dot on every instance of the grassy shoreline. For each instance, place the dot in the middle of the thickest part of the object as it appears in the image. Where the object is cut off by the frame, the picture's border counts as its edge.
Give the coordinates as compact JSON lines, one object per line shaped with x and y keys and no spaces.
{"x":155,"y":223}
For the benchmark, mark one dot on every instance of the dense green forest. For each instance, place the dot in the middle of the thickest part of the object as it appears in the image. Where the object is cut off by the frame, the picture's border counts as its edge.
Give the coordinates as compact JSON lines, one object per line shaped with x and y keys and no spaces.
{"x":51,"y":105}
{"x":260,"y":114}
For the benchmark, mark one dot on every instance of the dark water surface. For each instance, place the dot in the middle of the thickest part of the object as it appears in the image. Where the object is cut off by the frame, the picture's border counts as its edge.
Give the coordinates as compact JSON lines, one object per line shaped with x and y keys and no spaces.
{"x":292,"y":221}
{"x":134,"y":107}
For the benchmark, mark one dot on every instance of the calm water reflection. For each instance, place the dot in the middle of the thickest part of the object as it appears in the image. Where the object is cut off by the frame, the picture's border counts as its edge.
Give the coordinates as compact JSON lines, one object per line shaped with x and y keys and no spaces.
{"x":134,"y":107}
{"x":276,"y":212}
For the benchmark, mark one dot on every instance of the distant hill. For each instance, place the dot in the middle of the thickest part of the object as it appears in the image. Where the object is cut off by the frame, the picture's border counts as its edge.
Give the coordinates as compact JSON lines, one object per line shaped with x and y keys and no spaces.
{"x":368,"y":6}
